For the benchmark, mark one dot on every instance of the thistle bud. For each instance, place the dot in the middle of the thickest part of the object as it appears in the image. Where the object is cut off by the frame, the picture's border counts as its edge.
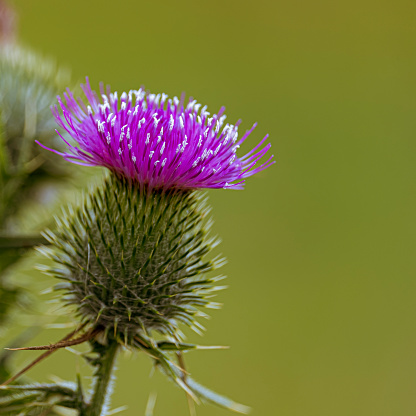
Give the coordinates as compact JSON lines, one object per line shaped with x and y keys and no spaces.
{"x":133,"y":260}
{"x":28,"y":86}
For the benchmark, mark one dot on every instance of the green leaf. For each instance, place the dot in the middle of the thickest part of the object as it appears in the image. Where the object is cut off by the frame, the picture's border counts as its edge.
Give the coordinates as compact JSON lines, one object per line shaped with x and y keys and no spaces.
{"x":50,"y":388}
{"x":180,"y":346}
{"x":190,"y":386}
{"x":205,"y":394}
{"x":38,"y":399}
{"x":215,"y":398}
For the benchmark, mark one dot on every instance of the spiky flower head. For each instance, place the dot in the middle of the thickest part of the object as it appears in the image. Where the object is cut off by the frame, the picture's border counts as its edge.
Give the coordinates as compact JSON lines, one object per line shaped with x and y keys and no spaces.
{"x":133,"y":260}
{"x":156,"y":141}
{"x":133,"y":254}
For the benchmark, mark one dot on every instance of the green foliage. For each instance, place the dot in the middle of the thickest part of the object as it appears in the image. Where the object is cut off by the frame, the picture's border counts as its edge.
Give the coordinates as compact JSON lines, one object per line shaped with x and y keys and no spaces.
{"x":134,"y":261}
{"x":28,"y":86}
{"x":41,"y":399}
{"x":161,"y":353}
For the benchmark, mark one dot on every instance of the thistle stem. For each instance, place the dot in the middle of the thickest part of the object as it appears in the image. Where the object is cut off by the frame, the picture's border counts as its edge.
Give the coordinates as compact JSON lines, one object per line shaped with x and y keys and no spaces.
{"x":102,"y":390}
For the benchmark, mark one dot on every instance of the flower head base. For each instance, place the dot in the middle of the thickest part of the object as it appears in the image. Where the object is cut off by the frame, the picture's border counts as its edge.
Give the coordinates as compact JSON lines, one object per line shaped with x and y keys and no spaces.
{"x":156,"y":141}
{"x":134,"y":261}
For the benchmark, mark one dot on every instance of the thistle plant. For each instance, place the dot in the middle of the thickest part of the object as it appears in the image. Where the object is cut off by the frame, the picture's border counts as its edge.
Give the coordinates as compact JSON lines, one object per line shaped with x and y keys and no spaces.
{"x":134,"y":257}
{"x":28,"y":86}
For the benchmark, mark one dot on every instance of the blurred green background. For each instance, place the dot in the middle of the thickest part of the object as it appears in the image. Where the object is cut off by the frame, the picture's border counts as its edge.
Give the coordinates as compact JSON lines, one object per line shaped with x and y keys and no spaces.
{"x":321,"y":310}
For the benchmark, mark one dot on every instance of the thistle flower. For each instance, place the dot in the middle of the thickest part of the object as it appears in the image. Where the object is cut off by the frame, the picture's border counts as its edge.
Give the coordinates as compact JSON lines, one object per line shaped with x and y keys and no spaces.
{"x":133,"y":252}
{"x":133,"y":255}
{"x":156,"y":141}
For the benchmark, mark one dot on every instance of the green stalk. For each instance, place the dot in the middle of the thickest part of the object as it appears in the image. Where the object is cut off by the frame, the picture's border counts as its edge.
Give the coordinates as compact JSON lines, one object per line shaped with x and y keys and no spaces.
{"x":102,"y":390}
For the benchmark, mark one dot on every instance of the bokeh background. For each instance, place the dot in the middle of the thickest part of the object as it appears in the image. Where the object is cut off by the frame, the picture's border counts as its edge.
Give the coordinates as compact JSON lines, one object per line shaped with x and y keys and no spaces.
{"x":321,"y":310}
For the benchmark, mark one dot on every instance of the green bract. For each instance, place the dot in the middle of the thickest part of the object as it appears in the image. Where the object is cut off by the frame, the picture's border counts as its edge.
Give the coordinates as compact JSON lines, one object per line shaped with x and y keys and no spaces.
{"x":133,"y":261}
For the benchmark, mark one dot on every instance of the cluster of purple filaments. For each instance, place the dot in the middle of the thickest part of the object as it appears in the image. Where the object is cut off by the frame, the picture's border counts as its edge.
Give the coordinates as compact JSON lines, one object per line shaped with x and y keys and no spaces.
{"x":156,"y":141}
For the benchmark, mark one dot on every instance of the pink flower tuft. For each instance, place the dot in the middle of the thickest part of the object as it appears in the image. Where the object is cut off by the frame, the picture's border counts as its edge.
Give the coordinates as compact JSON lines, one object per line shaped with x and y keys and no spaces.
{"x":156,"y":141}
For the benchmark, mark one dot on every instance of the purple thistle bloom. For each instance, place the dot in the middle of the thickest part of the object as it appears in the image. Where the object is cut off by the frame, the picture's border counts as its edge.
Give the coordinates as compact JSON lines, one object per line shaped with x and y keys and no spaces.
{"x":156,"y":141}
